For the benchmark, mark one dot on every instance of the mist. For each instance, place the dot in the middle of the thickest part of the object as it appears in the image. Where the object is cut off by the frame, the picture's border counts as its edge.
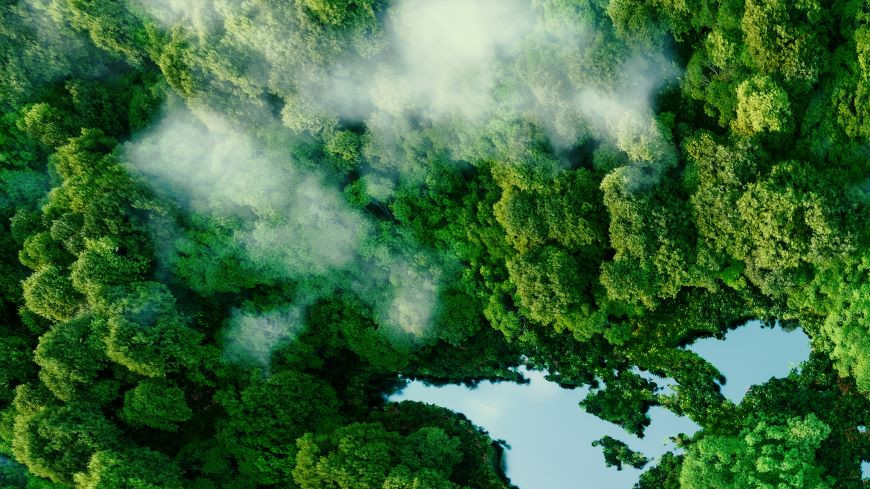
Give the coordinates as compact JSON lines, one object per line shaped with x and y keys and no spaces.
{"x":446,"y":62}
{"x":251,"y":338}
{"x":463,"y":70}
{"x":291,"y":224}
{"x":50,"y":51}
{"x":292,"y":220}
{"x":448,"y":54}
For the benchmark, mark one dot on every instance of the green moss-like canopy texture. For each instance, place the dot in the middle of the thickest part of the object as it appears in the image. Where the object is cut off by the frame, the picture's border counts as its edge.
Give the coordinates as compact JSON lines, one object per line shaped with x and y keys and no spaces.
{"x":230,"y":229}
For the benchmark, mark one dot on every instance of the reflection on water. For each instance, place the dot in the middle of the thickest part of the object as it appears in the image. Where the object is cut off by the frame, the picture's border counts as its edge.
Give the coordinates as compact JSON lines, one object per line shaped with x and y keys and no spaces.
{"x":752,"y":354}
{"x":550,"y":436}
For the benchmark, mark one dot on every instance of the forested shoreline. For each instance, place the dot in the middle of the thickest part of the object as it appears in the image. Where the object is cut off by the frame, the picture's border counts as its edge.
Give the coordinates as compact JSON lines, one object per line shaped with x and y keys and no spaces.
{"x":230,"y":229}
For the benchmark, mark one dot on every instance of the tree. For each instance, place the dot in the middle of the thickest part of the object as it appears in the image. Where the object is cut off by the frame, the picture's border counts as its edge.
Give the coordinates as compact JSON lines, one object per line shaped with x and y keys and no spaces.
{"x":46,"y":124}
{"x":625,"y":401}
{"x":761,"y":106}
{"x":71,"y":356}
{"x":264,"y":418}
{"x":617,"y":453}
{"x":156,"y":404}
{"x":58,"y":441}
{"x":49,"y":293}
{"x":366,"y":456}
{"x":767,"y":453}
{"x":665,"y":475}
{"x":146,"y":333}
{"x":653,"y":239}
{"x":102,"y":263}
{"x":786,"y":38}
{"x":138,"y":468}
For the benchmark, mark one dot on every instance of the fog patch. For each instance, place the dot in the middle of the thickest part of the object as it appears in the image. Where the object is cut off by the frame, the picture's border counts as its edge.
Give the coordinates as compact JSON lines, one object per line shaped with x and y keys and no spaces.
{"x":455,"y":63}
{"x":414,"y":294}
{"x":286,"y":222}
{"x":251,"y":338}
{"x":170,"y":12}
{"x":474,"y":63}
{"x":448,"y":50}
{"x":48,"y":50}
{"x":293,"y":221}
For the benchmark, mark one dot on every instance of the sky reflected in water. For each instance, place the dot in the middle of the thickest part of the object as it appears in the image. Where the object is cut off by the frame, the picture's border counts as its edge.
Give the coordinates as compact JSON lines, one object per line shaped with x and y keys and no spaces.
{"x":550,"y":435}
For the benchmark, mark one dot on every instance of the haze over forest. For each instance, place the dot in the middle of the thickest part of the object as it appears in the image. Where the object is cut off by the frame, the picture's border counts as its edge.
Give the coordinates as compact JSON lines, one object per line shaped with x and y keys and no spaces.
{"x":230,"y":230}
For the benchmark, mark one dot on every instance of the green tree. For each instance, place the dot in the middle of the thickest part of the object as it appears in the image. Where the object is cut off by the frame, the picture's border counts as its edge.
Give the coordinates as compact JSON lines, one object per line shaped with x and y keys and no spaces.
{"x":364,"y":455}
{"x":138,"y":468}
{"x":786,"y":38}
{"x":71,"y":356}
{"x":617,"y":453}
{"x":770,"y":453}
{"x":146,"y":333}
{"x":50,"y":294}
{"x":665,"y":474}
{"x":761,"y":106}
{"x":58,"y":441}
{"x":264,"y":419}
{"x":156,"y":404}
{"x":624,"y":401}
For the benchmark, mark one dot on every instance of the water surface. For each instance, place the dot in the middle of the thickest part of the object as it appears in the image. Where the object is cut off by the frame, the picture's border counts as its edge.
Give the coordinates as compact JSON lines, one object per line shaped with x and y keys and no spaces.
{"x":550,"y":436}
{"x":752,"y":354}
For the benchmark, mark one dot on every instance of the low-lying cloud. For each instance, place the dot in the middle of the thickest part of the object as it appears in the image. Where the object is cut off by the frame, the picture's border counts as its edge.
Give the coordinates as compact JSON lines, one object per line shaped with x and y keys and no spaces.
{"x":444,"y":61}
{"x":290,"y":222}
{"x":467,"y":69}
{"x":293,"y":221}
{"x":251,"y":338}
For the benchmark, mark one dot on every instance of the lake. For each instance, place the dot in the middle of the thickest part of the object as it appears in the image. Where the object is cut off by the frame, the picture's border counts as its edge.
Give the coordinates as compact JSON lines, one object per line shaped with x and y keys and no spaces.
{"x":550,"y":436}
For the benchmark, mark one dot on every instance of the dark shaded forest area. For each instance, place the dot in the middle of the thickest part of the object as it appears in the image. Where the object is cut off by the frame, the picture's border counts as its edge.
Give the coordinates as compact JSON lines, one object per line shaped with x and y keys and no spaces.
{"x":230,"y":229}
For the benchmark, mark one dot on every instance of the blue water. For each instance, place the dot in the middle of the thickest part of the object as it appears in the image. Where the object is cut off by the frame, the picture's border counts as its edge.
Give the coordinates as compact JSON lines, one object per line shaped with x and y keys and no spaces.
{"x":751,"y":355}
{"x":550,"y":435}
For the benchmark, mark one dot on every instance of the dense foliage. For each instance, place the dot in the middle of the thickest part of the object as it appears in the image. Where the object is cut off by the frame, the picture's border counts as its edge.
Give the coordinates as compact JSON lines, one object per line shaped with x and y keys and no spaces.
{"x":229,"y":230}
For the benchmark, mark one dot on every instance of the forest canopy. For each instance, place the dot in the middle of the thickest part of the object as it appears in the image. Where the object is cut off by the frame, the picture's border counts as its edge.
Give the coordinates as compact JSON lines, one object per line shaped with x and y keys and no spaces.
{"x":230,"y":230}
